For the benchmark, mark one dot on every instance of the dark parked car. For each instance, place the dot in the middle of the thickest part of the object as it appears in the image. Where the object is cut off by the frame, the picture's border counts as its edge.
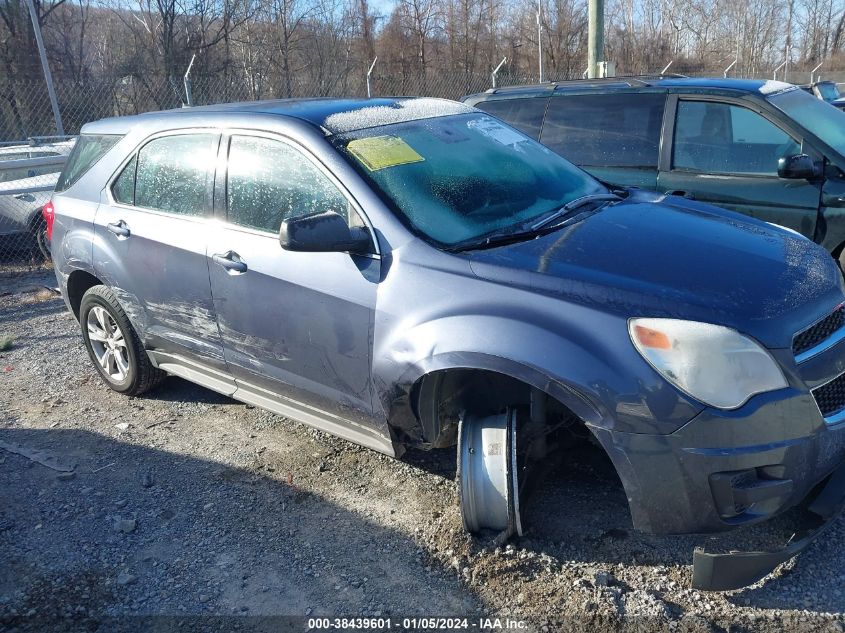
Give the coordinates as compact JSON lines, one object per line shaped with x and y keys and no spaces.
{"x":416,"y":273}
{"x":766,"y":149}
{"x":826,"y":91}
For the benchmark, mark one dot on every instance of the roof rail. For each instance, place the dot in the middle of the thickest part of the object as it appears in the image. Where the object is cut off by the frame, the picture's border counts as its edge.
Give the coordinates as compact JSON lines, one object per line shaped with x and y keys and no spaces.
{"x":642,"y":80}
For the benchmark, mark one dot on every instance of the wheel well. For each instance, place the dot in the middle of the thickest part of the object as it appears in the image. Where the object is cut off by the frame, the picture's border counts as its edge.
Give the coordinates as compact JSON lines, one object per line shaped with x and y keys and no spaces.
{"x":78,"y":283}
{"x":441,"y":397}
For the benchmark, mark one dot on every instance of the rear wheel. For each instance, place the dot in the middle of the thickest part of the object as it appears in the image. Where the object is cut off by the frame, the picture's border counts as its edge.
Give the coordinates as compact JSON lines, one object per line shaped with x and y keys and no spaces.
{"x":39,"y":231}
{"x":113,"y":345}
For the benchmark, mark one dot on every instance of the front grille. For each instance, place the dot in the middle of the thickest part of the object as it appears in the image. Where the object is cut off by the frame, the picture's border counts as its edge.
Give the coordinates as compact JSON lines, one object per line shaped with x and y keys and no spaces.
{"x":817,"y":333}
{"x":831,"y":397}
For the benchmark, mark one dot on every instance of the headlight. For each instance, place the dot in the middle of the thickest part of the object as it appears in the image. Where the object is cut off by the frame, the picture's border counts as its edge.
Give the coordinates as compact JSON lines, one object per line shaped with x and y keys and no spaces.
{"x":711,"y":363}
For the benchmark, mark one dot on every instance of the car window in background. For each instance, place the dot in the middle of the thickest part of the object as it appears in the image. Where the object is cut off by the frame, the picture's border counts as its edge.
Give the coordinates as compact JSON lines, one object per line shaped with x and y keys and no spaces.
{"x":723,"y":138}
{"x":88,"y":150}
{"x":818,"y":117}
{"x":174,"y":173}
{"x":828,"y":91}
{"x":457,"y":178}
{"x":526,"y":115}
{"x":611,"y":130}
{"x":269,"y":181}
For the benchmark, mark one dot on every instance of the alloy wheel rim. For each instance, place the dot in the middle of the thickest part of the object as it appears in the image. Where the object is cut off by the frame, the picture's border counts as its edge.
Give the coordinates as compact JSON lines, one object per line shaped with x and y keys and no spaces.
{"x":108,"y":344}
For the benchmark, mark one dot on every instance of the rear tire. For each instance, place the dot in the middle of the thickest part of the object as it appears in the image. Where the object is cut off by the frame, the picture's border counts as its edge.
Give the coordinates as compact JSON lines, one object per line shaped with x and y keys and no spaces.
{"x":39,"y":232}
{"x":114,"y":346}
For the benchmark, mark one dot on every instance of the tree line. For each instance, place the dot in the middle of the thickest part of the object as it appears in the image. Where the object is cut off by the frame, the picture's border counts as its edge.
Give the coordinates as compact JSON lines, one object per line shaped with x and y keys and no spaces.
{"x":258,"y":48}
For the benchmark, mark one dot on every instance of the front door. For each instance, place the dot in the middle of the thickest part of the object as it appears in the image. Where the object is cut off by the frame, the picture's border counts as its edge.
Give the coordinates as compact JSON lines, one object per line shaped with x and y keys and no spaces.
{"x":151,"y":241}
{"x":295,"y":326}
{"x":726,"y":154}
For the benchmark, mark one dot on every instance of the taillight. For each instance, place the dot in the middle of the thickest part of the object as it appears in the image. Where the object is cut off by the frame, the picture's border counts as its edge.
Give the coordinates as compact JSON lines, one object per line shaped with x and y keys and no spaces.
{"x":49,"y":213}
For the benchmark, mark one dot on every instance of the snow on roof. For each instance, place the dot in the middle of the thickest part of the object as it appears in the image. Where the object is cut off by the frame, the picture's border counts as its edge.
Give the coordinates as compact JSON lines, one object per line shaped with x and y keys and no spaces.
{"x":771,"y":87}
{"x":398,"y":112}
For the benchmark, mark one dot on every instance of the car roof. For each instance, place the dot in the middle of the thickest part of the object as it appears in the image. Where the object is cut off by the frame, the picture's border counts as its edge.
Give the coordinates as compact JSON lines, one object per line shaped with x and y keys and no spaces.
{"x":332,"y":116}
{"x":759,"y":87}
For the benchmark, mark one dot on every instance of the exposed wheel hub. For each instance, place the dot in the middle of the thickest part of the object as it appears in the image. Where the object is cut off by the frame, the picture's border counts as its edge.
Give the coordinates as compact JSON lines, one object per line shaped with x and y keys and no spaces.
{"x":488,"y":473}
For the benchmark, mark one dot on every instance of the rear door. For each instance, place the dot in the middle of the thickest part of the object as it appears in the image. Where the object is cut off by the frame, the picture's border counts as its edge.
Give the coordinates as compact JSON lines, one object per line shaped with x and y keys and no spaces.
{"x":726,"y":153}
{"x":296,"y":326}
{"x":151,"y":244}
{"x":614,"y":136}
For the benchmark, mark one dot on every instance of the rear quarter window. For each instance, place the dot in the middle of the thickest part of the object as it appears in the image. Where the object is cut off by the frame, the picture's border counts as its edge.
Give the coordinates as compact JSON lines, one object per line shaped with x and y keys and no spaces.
{"x":606,"y":130}
{"x":526,"y":115}
{"x":89,"y":149}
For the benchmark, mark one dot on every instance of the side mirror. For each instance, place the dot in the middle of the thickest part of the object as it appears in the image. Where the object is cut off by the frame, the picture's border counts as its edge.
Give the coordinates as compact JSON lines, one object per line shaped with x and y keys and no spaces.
{"x":323,"y":233}
{"x":796,"y":167}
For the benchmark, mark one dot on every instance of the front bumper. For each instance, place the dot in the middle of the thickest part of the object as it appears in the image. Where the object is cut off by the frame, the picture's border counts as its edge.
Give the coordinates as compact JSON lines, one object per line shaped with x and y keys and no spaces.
{"x":727,"y":468}
{"x":722,"y":572}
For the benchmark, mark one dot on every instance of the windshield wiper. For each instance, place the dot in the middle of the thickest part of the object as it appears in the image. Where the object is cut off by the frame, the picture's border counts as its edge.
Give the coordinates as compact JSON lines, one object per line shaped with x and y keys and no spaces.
{"x":524,"y":231}
{"x":574,"y":204}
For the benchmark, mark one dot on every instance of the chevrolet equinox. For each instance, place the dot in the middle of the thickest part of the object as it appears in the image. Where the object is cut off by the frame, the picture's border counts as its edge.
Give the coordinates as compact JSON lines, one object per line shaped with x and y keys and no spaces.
{"x":412,"y":272}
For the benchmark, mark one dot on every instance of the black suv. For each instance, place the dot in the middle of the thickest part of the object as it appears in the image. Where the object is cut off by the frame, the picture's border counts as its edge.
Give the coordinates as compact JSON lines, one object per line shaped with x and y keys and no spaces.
{"x":764,"y":148}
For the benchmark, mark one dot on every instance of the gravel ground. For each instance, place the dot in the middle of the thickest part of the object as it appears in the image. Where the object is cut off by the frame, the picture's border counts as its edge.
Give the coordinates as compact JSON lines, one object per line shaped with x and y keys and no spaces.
{"x":184,"y":503}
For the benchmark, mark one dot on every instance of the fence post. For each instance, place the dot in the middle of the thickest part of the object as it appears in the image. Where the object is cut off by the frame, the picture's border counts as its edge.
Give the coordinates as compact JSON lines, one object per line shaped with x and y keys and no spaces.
{"x":370,"y":72}
{"x":45,"y":66}
{"x":812,"y":72}
{"x":186,"y":80}
{"x":496,"y":70}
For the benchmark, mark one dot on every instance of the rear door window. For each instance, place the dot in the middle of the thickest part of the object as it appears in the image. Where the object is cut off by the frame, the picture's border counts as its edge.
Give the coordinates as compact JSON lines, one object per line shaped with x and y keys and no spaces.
{"x":526,"y":115}
{"x":174,"y":173}
{"x":729,"y":139}
{"x":607,"y":130}
{"x":86,"y":152}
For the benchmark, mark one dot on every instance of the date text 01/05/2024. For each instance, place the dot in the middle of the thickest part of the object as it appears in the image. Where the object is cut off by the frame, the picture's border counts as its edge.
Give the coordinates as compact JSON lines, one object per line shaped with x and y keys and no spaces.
{"x":416,"y":623}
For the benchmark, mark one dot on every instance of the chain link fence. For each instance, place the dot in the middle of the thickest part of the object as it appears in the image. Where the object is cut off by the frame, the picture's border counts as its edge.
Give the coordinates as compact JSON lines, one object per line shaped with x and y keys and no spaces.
{"x":29,"y":168}
{"x":28,"y":175}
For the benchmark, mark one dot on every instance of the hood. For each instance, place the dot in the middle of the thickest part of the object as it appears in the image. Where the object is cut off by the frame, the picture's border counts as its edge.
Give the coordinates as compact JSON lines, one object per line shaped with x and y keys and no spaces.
{"x":663,"y":256}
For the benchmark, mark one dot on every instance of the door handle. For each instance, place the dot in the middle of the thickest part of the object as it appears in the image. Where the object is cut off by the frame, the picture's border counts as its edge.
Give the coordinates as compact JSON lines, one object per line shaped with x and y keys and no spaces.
{"x":231,"y":261}
{"x":119,"y":228}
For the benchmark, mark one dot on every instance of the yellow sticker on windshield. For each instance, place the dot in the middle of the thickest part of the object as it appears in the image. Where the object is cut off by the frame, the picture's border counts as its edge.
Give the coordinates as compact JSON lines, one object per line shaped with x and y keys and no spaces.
{"x":379,"y":152}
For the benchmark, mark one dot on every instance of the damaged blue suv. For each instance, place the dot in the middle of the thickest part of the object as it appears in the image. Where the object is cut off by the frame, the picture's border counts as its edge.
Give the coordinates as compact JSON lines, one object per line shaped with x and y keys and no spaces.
{"x":412,"y":272}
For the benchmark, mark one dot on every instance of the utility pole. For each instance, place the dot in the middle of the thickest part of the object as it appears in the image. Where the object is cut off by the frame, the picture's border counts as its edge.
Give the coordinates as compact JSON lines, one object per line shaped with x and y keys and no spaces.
{"x":45,"y":66}
{"x":595,"y":39}
{"x":540,"y":39}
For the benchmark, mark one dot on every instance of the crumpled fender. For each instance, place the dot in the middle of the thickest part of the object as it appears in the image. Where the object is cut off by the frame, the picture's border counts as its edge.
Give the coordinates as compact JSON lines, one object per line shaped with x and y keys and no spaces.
{"x":603,"y":385}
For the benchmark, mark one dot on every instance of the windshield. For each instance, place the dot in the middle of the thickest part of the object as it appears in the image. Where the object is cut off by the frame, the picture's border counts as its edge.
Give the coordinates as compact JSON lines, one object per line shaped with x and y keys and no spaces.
{"x":818,"y":117}
{"x":455,"y":178}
